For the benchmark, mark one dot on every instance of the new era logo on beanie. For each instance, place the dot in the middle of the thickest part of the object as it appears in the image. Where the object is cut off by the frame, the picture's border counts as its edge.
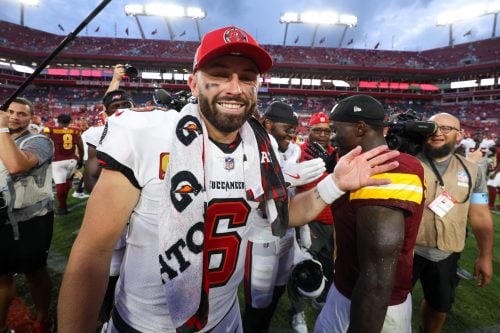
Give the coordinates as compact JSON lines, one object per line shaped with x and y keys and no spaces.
{"x":281,"y":113}
{"x":359,"y":108}
{"x":231,"y":41}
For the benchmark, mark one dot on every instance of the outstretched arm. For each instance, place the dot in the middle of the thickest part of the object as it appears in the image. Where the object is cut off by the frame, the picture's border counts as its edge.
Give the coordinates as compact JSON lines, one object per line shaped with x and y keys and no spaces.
{"x":86,"y":275}
{"x":380,"y":236}
{"x":118,"y":74}
{"x":353,"y":170}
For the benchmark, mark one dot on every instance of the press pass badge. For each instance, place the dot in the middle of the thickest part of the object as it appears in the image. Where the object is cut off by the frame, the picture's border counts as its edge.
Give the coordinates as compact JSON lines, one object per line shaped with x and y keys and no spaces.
{"x":442,"y":204}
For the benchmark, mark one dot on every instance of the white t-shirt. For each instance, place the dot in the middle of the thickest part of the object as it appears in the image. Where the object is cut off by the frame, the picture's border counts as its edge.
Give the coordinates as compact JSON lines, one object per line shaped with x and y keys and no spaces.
{"x":91,"y":137}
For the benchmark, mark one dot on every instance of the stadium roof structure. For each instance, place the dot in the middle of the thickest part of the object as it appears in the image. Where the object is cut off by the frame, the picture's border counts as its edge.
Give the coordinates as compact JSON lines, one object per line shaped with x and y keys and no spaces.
{"x":319,"y":18}
{"x":466,"y":13}
{"x":167,"y":11}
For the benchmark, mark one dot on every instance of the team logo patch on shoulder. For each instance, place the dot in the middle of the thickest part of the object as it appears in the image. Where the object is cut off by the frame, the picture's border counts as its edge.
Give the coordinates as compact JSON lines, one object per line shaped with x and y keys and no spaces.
{"x":164,"y":160}
{"x":229,"y":163}
{"x":462,"y":178}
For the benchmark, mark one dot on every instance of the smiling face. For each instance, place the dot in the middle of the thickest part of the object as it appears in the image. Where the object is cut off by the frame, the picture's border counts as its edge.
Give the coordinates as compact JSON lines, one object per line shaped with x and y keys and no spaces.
{"x":226,"y":88}
{"x":345,"y":136}
{"x":282,"y":132}
{"x":440,"y":145}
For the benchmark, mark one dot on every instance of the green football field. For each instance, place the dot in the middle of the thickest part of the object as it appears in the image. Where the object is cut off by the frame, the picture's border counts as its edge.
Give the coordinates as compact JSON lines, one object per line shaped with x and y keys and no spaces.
{"x":475,"y":309}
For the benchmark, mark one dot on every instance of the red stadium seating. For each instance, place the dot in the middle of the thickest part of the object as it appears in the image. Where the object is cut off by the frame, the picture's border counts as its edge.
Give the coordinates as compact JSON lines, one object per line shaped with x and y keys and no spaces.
{"x":398,"y":78}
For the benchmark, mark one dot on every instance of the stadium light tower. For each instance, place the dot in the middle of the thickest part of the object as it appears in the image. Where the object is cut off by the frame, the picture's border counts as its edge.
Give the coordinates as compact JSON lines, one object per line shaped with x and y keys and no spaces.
{"x":467,"y":13}
{"x":168,"y":12}
{"x":27,"y":3}
{"x":319,"y":18}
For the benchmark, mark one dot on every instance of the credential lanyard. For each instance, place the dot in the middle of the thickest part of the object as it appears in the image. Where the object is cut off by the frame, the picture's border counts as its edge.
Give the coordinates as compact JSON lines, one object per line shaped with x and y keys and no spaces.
{"x":440,"y":179}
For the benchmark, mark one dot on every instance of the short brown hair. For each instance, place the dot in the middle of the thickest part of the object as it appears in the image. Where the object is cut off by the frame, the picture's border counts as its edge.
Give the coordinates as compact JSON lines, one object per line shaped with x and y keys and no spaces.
{"x":24,"y":101}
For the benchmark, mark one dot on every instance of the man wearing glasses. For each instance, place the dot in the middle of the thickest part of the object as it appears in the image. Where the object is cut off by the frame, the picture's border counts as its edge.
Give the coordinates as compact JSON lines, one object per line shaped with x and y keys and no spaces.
{"x":456,"y":189}
{"x":321,"y":228}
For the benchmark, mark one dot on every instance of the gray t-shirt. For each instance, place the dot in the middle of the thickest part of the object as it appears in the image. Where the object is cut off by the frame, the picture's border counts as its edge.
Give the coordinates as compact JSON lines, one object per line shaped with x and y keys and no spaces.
{"x":40,"y":147}
{"x":43,"y":148}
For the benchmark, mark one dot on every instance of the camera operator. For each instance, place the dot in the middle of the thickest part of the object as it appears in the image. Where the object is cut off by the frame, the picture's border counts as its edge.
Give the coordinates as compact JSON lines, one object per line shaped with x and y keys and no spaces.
{"x":456,"y":189}
{"x":27,"y":216}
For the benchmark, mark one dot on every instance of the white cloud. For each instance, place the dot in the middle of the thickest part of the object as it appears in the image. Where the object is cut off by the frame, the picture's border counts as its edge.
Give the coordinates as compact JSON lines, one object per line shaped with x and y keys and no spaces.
{"x":406,"y":24}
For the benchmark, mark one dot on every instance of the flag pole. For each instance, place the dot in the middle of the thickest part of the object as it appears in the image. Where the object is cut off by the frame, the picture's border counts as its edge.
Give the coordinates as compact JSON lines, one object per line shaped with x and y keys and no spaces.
{"x":58,"y":49}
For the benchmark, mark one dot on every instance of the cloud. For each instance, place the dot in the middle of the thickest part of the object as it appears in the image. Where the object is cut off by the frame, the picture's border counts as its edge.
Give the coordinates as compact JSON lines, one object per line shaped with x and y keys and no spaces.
{"x":406,"y":24}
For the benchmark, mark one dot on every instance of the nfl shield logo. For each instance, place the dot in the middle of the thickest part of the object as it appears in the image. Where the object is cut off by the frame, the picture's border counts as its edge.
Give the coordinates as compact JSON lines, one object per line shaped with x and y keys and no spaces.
{"x":229,"y":163}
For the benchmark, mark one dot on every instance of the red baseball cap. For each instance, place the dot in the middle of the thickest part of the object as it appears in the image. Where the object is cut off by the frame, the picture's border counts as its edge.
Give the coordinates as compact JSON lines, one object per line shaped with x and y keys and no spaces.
{"x":319,"y":118}
{"x":231,"y":41}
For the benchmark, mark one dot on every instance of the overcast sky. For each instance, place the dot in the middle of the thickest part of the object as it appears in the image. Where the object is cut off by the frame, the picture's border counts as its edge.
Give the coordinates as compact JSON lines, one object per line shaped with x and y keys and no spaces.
{"x":395,"y":24}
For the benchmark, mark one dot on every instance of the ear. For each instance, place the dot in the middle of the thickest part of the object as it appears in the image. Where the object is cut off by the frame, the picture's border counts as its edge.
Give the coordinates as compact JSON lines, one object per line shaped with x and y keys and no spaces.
{"x":360,"y":129}
{"x":193,"y":85}
{"x":460,"y":136}
{"x":268,"y":124}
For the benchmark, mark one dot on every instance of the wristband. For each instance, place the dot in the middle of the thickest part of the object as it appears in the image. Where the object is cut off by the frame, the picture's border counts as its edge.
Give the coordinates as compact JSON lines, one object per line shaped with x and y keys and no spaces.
{"x":328,"y":191}
{"x":4,"y":130}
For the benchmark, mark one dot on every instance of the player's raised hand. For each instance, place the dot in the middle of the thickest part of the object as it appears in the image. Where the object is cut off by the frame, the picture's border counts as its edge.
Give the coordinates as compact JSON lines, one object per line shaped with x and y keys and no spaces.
{"x":355,"y":169}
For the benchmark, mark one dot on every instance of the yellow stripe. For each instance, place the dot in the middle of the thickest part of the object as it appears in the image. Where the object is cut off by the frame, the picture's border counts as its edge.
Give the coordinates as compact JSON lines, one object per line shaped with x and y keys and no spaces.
{"x":404,"y":186}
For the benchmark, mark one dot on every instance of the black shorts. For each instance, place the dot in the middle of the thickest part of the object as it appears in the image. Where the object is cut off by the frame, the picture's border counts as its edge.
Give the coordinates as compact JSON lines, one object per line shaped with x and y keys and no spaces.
{"x":439,"y":280}
{"x":29,"y":252}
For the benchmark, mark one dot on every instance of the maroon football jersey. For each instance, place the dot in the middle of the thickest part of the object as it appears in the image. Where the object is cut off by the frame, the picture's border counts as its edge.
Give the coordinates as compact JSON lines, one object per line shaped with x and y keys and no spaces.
{"x":406,"y":193}
{"x":65,"y":141}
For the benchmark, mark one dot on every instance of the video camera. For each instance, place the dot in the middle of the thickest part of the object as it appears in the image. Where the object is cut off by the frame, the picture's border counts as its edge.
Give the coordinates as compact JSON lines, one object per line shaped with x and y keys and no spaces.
{"x":130,"y":71}
{"x":407,"y":132}
{"x":176,"y":101}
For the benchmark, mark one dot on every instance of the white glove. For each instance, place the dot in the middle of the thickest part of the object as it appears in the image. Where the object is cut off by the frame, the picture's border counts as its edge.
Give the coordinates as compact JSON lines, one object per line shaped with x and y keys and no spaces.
{"x":305,"y":236}
{"x":297,"y":174}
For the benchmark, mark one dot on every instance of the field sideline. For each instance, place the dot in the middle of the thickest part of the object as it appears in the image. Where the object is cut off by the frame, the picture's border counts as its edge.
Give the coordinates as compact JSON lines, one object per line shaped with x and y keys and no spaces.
{"x":475,"y":310}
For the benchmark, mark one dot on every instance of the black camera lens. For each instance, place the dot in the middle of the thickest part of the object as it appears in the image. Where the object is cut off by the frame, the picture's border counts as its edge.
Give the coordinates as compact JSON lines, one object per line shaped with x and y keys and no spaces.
{"x":131,"y":71}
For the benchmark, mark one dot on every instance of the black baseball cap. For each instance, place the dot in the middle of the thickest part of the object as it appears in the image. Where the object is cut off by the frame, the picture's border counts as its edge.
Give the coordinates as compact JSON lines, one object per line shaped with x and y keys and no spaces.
{"x":281,"y":112}
{"x":359,"y":108}
{"x":116,"y":96}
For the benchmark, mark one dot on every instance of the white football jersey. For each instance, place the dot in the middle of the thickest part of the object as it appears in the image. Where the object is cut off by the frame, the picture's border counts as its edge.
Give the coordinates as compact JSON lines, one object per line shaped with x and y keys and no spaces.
{"x":137,"y":144}
{"x":92,"y":135}
{"x":225,"y":182}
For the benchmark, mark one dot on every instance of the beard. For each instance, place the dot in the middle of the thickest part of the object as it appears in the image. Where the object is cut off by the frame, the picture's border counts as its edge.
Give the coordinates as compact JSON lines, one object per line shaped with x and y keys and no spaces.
{"x":443,"y":151}
{"x":225,"y":123}
{"x":18,"y":129}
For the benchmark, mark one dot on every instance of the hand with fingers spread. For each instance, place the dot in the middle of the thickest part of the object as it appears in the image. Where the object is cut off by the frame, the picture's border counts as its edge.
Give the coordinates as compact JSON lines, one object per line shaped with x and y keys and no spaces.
{"x":355,"y":169}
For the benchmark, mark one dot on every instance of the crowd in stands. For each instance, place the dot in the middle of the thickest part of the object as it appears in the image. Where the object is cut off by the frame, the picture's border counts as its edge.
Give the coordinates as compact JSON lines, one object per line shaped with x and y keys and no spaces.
{"x":50,"y":101}
{"x":86,"y":101}
{"x":26,"y":39}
